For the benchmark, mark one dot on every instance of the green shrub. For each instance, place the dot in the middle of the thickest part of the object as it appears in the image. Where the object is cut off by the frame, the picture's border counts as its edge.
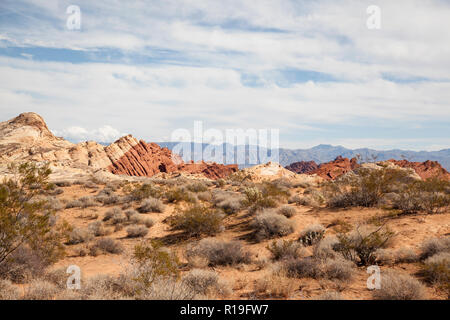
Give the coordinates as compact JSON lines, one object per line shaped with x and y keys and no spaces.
{"x":197,"y":221}
{"x":361,"y":244}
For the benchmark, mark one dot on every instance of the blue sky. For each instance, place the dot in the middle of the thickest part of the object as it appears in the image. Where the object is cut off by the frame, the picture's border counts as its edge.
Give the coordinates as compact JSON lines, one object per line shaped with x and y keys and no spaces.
{"x":311,"y":69}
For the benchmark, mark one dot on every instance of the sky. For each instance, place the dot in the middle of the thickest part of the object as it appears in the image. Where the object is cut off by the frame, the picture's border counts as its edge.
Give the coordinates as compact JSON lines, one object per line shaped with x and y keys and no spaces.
{"x":311,"y":69}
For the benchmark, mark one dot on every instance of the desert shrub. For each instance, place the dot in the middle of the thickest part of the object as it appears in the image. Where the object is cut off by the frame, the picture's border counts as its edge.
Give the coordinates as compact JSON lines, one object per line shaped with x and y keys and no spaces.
{"x":79,"y":235}
{"x":40,"y":290}
{"x":198,"y":220}
{"x":102,"y":287}
{"x":286,"y":211}
{"x":138,"y":219}
{"x":205,"y":282}
{"x":151,"y":205}
{"x":115,"y":216}
{"x":144,"y":191}
{"x":399,"y":286}
{"x":63,"y":183}
{"x":24,"y":264}
{"x":98,"y":229}
{"x":274,"y":286}
{"x":405,"y":255}
{"x":338,"y":269}
{"x":137,"y":231}
{"x":8,"y":291}
{"x":198,"y":186}
{"x":434,"y":246}
{"x":169,"y":289}
{"x":257,"y":199}
{"x":284,"y":249}
{"x":151,"y":262}
{"x":230,"y":205}
{"x":180,"y":194}
{"x":330,"y":295}
{"x":304,"y":201}
{"x":361,"y":244}
{"x":205,"y":196}
{"x":365,"y":188}
{"x":270,"y":224}
{"x":130,"y":213}
{"x":385,"y":256}
{"x":57,"y":276}
{"x":219,"y":183}
{"x":325,"y":248}
{"x":436,"y":270}
{"x":53,"y":204}
{"x":312,"y":234}
{"x":108,"y":245}
{"x":301,"y":268}
{"x":218,"y":252}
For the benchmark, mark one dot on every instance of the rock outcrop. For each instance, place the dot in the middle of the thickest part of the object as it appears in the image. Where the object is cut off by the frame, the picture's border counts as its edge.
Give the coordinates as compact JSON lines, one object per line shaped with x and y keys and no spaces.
{"x":305,"y":167}
{"x":27,"y":138}
{"x":425,"y":170}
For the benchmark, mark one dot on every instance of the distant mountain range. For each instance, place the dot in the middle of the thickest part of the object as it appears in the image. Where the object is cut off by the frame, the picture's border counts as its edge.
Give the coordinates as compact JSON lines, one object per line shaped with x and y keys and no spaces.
{"x":321,"y":153}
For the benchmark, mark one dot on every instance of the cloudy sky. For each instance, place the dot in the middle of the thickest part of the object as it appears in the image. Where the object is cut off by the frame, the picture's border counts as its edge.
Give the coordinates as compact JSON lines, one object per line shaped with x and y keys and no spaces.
{"x":312,"y":69}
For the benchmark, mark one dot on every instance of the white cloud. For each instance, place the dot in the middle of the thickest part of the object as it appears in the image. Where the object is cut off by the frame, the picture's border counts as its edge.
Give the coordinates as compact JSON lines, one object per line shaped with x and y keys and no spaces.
{"x":79,"y":134}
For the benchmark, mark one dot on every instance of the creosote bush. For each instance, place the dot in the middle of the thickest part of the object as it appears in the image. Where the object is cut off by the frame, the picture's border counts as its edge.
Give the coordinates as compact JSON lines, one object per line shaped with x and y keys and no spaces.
{"x":198,"y":220}
{"x":218,"y":252}
{"x":361,"y":244}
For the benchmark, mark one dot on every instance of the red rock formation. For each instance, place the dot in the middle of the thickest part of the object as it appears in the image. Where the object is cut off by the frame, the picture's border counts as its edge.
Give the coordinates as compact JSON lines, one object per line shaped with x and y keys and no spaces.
{"x":210,"y":170}
{"x":303,"y":167}
{"x":333,"y":169}
{"x":148,"y":159}
{"x":425,"y":169}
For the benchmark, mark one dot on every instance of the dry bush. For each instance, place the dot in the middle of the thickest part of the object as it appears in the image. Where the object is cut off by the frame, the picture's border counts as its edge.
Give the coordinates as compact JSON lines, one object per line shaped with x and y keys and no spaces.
{"x":286,"y":211}
{"x":312,"y":234}
{"x":274,"y":286}
{"x":324,"y":249}
{"x":79,"y":235}
{"x":284,"y":249}
{"x":151,"y":205}
{"x":130,"y":213}
{"x":231,"y":205}
{"x":168,"y":289}
{"x":205,"y":196}
{"x":57,"y":276}
{"x":144,"y":191}
{"x":339,"y":269}
{"x":198,"y":186}
{"x":137,"y":231}
{"x":23,"y":265}
{"x":107,"y":245}
{"x":302,"y":268}
{"x":405,"y":255}
{"x":399,"y":286}
{"x":98,"y":229}
{"x":433,"y":246}
{"x":361,"y":244}
{"x":198,"y":220}
{"x":218,"y":252}
{"x":115,"y":216}
{"x":102,"y":287}
{"x":83,"y":202}
{"x":269,"y":224}
{"x":436,"y":270}
{"x":8,"y":291}
{"x":180,"y":194}
{"x":206,"y":283}
{"x":138,"y":219}
{"x":53,"y":204}
{"x":63,"y":183}
{"x":257,"y":199}
{"x":40,"y":290}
